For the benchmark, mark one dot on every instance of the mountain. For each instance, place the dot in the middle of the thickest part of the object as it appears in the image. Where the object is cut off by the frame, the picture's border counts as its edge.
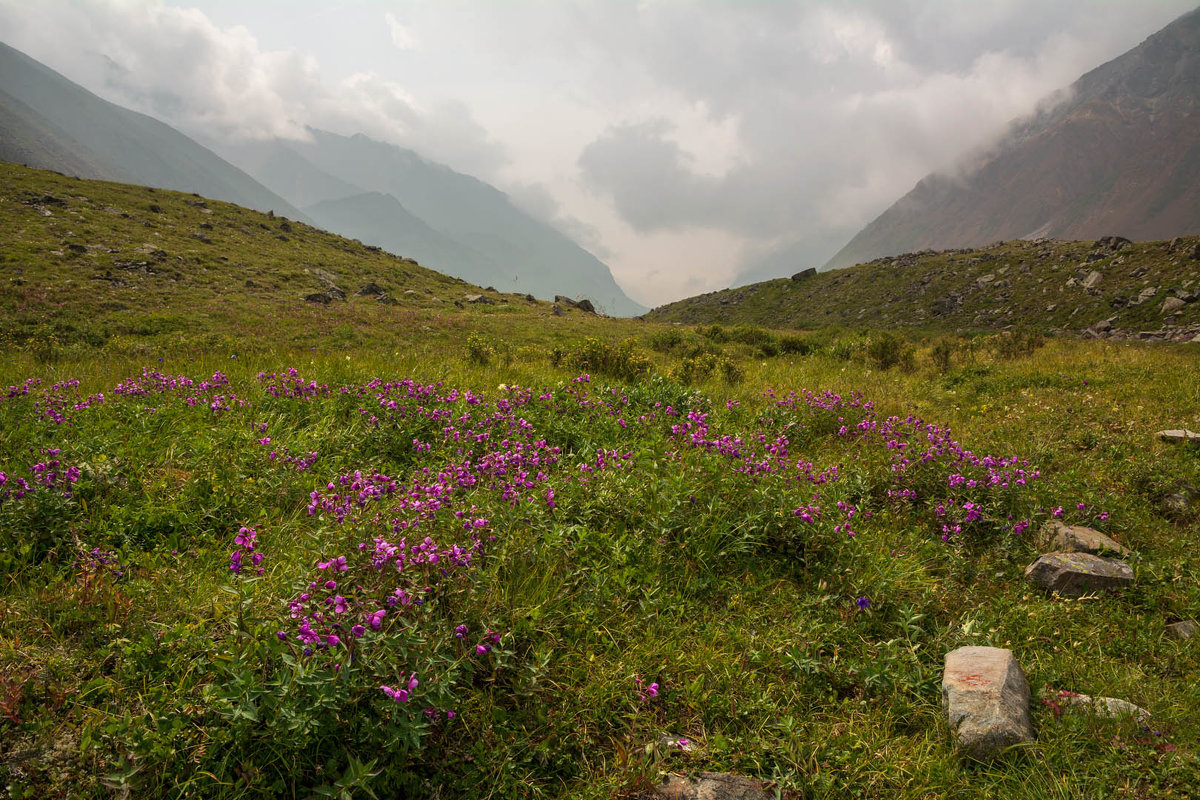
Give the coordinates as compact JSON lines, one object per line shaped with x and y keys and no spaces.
{"x":379,"y":219}
{"x":1118,"y":153}
{"x":48,"y":122}
{"x":496,"y":243}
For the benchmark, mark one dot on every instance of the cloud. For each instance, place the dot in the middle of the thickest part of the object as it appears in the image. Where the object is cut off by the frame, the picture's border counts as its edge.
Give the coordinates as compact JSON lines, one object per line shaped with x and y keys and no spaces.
{"x":686,"y":139}
{"x":177,"y":65}
{"x":401,"y":36}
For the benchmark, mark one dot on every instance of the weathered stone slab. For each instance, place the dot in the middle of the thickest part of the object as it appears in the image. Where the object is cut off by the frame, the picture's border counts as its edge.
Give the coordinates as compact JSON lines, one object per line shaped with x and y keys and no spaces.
{"x":1179,"y":436}
{"x":712,"y":786}
{"x":1078,"y":539}
{"x":986,"y":699}
{"x":1111,"y":707}
{"x":1077,"y":574}
{"x":1185,"y":629}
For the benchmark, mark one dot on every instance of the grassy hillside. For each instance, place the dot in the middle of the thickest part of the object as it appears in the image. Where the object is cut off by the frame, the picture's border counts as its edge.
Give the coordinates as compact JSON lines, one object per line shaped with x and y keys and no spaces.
{"x":91,"y":265}
{"x":256,"y":546}
{"x":1043,"y":285}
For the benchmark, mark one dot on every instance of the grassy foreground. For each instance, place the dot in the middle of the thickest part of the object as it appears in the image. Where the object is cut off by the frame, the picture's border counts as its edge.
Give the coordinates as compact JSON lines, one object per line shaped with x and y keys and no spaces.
{"x":498,"y":563}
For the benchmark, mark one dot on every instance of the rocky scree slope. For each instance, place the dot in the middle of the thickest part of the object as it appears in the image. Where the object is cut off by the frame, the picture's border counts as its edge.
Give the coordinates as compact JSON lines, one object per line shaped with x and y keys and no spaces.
{"x":1110,"y":288}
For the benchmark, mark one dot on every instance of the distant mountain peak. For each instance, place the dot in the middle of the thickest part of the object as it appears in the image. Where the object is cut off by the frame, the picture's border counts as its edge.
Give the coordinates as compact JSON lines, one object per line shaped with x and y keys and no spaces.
{"x":1118,"y":152}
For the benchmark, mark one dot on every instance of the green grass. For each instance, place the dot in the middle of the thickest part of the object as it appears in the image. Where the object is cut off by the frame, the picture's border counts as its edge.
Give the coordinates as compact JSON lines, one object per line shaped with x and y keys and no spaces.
{"x":667,"y":560}
{"x":679,"y":570}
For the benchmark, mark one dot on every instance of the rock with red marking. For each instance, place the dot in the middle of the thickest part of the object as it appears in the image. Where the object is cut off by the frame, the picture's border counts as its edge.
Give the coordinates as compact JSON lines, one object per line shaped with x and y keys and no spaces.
{"x":986,"y":700}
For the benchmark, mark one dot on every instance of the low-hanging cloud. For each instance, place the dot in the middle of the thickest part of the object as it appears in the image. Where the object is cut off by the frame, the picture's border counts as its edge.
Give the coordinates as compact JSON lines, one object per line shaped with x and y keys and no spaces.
{"x":686,"y":139}
{"x":177,"y":65}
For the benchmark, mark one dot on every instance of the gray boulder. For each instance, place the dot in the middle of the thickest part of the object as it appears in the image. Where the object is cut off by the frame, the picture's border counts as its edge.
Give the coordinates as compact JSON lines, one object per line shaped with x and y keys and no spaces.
{"x":986,"y":700}
{"x":1076,"y":574}
{"x":1172,"y":304}
{"x":1078,"y":539}
{"x":805,"y":273}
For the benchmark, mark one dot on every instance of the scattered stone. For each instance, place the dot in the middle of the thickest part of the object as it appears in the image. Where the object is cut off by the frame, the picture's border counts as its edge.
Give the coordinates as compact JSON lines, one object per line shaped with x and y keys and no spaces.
{"x":370,"y":289}
{"x":984,"y":280}
{"x":1172,"y":304}
{"x":324,"y":298}
{"x":1179,"y":436}
{"x":200,"y":237}
{"x":1103,"y":326}
{"x":586,"y":305}
{"x":1185,"y":629}
{"x":530,"y":298}
{"x":481,"y":299}
{"x":1076,"y":574}
{"x":1050,"y":309}
{"x":556,"y":310}
{"x":1078,"y":539}
{"x":669,"y":743}
{"x":805,"y":273}
{"x":1113,"y":243}
{"x":1092,"y":279}
{"x":384,"y":299}
{"x":411,"y":293}
{"x":986,"y":700}
{"x":1178,"y":505}
{"x":711,"y":786}
{"x":1111,"y":707}
{"x":1144,"y":295}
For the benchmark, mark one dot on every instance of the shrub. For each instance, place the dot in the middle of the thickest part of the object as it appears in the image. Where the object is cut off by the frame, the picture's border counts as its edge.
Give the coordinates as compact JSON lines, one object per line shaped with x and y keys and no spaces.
{"x":795,"y":345}
{"x":1016,"y":344}
{"x":621,"y":360}
{"x":942,"y":355}
{"x":479,"y":350}
{"x":885,"y":350}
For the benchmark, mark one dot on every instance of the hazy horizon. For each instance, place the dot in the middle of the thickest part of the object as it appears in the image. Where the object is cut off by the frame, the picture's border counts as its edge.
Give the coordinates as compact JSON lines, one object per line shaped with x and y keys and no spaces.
{"x":680,"y":142}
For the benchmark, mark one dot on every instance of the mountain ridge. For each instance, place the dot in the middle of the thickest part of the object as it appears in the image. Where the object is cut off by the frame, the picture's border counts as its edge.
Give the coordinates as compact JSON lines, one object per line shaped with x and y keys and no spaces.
{"x":1118,"y":153}
{"x":49,"y":122}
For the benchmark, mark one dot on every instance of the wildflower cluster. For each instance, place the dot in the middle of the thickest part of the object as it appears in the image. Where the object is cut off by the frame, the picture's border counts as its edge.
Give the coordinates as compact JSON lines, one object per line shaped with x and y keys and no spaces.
{"x":247,"y":553}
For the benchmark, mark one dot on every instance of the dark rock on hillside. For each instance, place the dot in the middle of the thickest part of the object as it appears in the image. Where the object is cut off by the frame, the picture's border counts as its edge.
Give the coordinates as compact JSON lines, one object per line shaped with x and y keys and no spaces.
{"x":1075,"y":574}
{"x":804,"y":273}
{"x":370,"y":289}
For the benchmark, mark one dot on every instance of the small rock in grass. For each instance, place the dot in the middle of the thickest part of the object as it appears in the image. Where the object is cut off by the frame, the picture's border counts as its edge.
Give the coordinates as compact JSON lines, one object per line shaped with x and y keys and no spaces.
{"x":1078,"y":539}
{"x":712,"y":786}
{"x":1185,"y":629}
{"x":669,"y":742}
{"x":1076,"y":574}
{"x":986,"y":700}
{"x":1179,"y":436}
{"x":1111,"y":707}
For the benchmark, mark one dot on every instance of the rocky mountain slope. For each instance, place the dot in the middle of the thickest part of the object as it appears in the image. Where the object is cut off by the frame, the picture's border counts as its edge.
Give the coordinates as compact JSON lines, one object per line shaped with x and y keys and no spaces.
{"x":48,"y":122}
{"x":1118,"y":153}
{"x":1109,"y":288}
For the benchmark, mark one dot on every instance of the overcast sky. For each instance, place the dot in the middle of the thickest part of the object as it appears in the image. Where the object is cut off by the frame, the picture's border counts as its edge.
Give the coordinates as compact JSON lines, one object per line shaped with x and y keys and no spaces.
{"x":679,"y":141}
